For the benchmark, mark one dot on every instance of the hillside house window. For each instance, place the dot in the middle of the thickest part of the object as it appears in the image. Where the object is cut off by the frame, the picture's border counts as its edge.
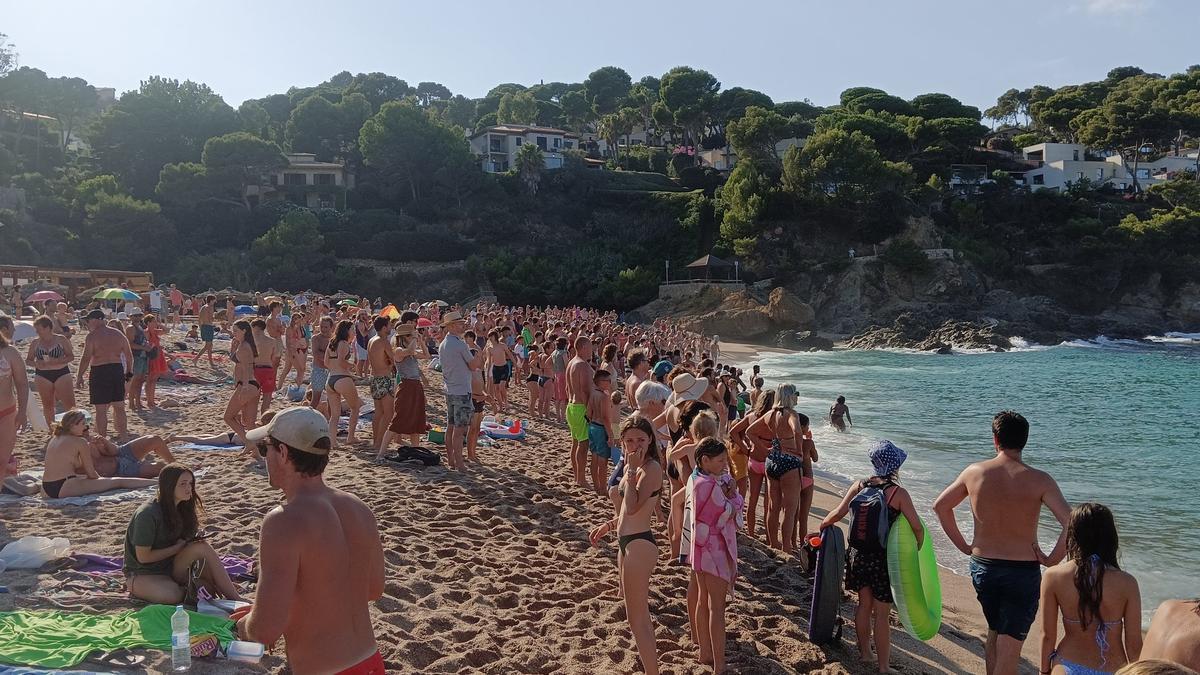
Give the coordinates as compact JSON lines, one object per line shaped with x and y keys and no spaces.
{"x":1100,"y":174}
{"x":496,"y":143}
{"x":323,"y":179}
{"x":1143,"y":173}
{"x":519,"y":141}
{"x":1075,"y":155}
{"x":1078,"y":175}
{"x":541,"y":142}
{"x":1039,"y":179}
{"x":295,"y":179}
{"x":569,"y":145}
{"x":557,"y":143}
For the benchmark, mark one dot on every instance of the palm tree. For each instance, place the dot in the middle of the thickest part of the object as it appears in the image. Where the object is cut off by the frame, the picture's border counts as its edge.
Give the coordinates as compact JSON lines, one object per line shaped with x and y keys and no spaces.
{"x":529,"y":164}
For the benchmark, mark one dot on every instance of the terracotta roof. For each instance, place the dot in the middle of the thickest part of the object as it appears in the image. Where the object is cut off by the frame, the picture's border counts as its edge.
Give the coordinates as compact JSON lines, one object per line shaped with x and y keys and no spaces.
{"x":710,"y":261}
{"x":521,"y":130}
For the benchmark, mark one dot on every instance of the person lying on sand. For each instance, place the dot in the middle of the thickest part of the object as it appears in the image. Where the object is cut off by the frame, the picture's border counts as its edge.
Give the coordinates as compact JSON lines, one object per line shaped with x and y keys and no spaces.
{"x":69,"y":471}
{"x":167,"y":559}
{"x":320,"y":556}
{"x":128,"y":460}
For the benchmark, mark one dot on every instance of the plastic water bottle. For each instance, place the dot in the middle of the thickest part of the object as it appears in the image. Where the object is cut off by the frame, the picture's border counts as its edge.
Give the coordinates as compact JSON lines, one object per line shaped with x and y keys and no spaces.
{"x":181,"y":641}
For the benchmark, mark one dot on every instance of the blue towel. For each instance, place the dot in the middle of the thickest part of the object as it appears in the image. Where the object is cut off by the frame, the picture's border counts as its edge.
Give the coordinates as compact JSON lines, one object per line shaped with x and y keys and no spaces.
{"x":200,"y":446}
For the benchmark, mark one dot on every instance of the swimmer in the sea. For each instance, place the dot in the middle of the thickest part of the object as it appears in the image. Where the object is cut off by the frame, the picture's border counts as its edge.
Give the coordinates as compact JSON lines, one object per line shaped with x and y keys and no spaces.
{"x":837,"y":411}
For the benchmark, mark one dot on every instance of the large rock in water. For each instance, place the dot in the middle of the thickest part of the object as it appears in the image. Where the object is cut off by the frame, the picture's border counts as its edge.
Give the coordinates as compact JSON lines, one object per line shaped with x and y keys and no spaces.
{"x":803,"y":341}
{"x":786,"y":310}
{"x":912,"y":332}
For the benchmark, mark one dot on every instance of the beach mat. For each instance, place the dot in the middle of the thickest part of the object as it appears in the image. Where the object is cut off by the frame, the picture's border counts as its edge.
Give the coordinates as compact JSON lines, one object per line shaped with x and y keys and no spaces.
{"x":107,"y":497}
{"x":54,"y":639}
{"x":201,"y":446}
{"x":238,"y":567}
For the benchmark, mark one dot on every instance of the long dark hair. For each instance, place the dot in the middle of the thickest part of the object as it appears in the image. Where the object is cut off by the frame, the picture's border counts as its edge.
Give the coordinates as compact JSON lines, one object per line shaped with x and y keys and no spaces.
{"x":1092,"y":543}
{"x":247,"y":334}
{"x":182,"y":520}
{"x":341,"y":334}
{"x":640,"y":422}
{"x":6,"y":323}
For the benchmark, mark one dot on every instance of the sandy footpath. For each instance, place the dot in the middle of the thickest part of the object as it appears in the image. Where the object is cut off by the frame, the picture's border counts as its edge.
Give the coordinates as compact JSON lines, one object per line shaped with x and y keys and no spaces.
{"x":487,"y":571}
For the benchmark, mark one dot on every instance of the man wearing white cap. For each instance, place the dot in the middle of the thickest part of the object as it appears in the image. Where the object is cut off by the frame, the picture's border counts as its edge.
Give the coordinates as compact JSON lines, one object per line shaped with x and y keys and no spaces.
{"x":320,"y":556}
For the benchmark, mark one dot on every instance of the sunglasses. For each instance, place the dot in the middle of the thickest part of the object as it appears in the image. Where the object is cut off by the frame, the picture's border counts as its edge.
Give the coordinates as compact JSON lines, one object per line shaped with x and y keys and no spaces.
{"x":265,"y":445}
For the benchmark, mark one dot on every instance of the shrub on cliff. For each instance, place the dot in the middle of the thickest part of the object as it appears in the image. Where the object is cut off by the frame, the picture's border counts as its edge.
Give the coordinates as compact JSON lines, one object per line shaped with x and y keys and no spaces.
{"x":906,"y":256}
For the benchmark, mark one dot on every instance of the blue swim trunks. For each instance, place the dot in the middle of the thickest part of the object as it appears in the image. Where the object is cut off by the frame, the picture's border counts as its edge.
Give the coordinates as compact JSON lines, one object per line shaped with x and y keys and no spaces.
{"x":207,"y":333}
{"x":1008,"y":591}
{"x":598,"y":440}
{"x":128,"y":466}
{"x":318,"y":378}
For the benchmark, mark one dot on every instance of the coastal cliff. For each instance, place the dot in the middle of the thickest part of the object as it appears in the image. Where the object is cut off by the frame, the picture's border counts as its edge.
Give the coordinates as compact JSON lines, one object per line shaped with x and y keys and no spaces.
{"x":951,"y":304}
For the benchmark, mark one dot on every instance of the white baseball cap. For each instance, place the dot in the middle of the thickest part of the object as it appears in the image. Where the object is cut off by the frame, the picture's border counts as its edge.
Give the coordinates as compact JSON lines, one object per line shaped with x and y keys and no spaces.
{"x":298,"y":427}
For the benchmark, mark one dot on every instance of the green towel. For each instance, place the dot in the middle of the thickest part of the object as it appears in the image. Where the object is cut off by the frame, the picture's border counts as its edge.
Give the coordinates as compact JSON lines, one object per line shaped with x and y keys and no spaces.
{"x":55,"y":639}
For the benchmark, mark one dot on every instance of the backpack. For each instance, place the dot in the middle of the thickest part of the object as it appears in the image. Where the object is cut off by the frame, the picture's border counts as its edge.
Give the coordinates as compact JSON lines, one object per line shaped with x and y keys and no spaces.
{"x":870,"y":519}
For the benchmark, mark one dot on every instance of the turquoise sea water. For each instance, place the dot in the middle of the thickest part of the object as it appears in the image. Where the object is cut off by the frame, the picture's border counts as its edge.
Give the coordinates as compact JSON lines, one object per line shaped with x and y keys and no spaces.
{"x":1116,"y":422}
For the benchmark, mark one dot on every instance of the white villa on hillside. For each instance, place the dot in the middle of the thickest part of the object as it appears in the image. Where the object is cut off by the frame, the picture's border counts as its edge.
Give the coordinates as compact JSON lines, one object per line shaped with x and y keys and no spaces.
{"x":497,"y":147}
{"x":1058,"y":164}
{"x":724,"y":159}
{"x":307,"y":182}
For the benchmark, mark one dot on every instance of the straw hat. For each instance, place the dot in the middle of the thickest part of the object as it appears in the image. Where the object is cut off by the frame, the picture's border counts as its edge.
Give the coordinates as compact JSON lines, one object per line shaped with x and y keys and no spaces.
{"x":687,"y":387}
{"x":452,"y":317}
{"x":403,"y":329}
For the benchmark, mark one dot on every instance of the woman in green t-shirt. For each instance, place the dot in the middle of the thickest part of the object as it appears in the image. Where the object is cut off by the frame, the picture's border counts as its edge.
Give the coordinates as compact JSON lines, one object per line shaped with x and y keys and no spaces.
{"x":166,"y":556}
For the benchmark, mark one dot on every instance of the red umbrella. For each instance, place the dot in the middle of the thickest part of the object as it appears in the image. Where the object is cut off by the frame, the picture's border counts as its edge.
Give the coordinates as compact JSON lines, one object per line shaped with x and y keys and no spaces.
{"x":424,"y":323}
{"x":42,"y":296}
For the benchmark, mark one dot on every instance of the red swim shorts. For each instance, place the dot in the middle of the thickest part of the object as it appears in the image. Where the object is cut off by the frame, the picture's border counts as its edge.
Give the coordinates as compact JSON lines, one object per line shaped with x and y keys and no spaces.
{"x":372,"y":665}
{"x":265,"y":375}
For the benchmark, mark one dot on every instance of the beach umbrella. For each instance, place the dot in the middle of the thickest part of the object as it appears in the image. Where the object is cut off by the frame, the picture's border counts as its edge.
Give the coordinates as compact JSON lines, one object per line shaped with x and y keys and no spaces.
{"x":390,"y":312}
{"x":116,"y":294}
{"x":243,"y":310}
{"x":424,"y":323}
{"x":41,"y":296}
{"x":23,"y":330}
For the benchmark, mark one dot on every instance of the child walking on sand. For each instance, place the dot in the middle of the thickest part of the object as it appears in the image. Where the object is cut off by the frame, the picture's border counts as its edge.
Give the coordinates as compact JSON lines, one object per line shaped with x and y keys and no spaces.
{"x":716,"y":505}
{"x":870,"y":500}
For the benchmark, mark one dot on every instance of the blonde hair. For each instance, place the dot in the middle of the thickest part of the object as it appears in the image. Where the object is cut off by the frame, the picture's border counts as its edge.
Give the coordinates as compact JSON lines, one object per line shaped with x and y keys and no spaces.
{"x":704,"y":425}
{"x":786,"y":397}
{"x":69,"y":419}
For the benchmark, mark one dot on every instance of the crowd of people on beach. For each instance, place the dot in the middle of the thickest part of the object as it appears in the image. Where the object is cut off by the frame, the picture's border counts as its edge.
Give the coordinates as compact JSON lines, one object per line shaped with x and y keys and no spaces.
{"x":679,"y":444}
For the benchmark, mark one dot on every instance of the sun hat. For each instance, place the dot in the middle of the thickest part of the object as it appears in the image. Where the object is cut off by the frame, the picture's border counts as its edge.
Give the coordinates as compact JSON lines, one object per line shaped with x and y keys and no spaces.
{"x":403,"y":329}
{"x":452,"y":317}
{"x":299,"y":427}
{"x":94,"y":314}
{"x":886,"y":457}
{"x":122,"y":316}
{"x":687,"y":387}
{"x":136,"y":311}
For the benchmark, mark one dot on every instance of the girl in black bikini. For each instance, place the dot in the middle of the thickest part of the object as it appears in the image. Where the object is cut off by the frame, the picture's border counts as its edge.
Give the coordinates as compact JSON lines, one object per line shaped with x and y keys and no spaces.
{"x":50,"y":356}
{"x":337,"y":358}
{"x":638,"y":552}
{"x":240,"y":413}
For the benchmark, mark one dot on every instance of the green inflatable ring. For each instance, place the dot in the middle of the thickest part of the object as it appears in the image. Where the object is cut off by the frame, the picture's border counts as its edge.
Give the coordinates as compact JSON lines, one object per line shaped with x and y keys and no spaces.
{"x":914,"y":577}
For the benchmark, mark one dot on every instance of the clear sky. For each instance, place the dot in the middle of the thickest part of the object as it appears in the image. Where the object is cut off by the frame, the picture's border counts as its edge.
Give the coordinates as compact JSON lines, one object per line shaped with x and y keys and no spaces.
{"x":789,"y":49}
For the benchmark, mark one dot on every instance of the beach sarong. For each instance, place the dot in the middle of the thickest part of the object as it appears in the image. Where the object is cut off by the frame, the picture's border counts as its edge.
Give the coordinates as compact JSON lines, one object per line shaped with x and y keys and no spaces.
{"x":409,"y":417}
{"x":61,"y":639}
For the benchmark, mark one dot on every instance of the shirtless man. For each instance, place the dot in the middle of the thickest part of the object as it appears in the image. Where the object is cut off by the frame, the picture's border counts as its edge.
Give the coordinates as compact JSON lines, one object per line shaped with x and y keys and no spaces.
{"x":129,"y":460}
{"x":382,"y":382}
{"x":640,"y":365}
{"x":579,"y":392}
{"x":208,"y":330}
{"x":1174,"y":633}
{"x":320,"y":557}
{"x":1006,"y":497}
{"x":498,"y":356}
{"x":103,"y":350}
{"x":319,"y":376}
{"x":600,"y":425}
{"x":266,"y":364}
{"x":275,"y":326}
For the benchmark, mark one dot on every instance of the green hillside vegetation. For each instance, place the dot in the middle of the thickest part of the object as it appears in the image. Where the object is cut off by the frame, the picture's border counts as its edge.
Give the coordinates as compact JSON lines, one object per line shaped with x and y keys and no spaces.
{"x":161,"y":180}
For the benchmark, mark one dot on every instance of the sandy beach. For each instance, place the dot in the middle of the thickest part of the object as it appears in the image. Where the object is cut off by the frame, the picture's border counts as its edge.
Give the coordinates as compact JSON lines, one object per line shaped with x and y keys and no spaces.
{"x":487,"y":571}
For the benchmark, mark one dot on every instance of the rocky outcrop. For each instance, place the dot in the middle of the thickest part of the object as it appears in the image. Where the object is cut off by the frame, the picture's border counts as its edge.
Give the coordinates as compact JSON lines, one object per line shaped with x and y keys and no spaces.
{"x":737,"y":316}
{"x":803,"y":341}
{"x":909,"y":331}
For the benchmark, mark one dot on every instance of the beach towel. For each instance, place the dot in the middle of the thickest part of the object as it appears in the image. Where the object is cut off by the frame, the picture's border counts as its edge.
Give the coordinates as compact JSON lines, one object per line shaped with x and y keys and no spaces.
{"x":713,"y":519}
{"x":53,"y":639}
{"x":10,"y":670}
{"x":203,"y":447}
{"x":238,"y":567}
{"x":106,"y":497}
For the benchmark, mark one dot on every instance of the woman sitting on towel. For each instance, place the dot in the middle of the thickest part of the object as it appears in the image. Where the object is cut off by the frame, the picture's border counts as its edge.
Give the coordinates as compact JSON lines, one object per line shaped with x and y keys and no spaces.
{"x":69,"y":469}
{"x":167,"y":559}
